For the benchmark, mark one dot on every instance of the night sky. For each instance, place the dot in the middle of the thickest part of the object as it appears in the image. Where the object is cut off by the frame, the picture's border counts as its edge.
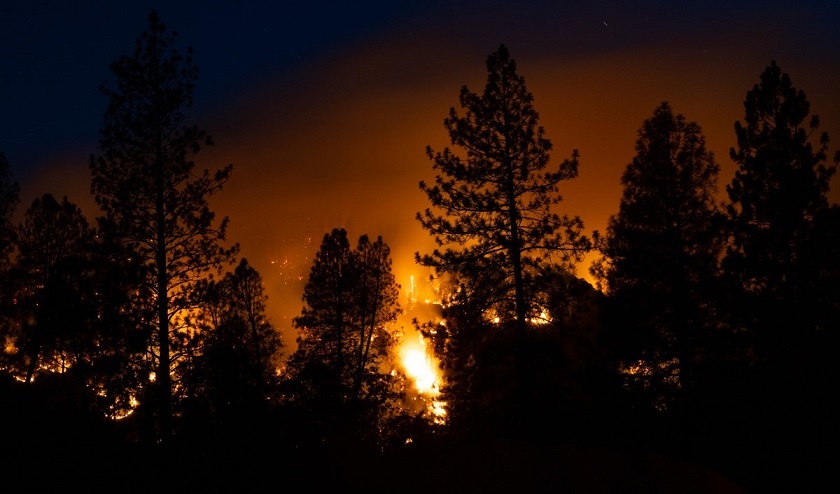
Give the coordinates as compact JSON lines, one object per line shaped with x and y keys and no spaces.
{"x":325,"y":108}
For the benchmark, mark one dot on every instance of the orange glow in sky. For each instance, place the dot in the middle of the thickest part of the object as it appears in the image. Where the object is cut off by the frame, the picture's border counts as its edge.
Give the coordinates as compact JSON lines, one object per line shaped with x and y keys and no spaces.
{"x":341,"y":143}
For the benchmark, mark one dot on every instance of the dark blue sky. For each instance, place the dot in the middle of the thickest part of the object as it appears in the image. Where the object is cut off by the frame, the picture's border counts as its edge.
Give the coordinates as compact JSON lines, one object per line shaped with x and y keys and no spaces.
{"x":56,"y":53}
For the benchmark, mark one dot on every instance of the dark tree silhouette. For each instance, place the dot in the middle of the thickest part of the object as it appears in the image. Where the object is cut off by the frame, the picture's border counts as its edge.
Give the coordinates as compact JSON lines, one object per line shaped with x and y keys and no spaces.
{"x":9,"y":198}
{"x":337,"y":373}
{"x":492,"y":209}
{"x":247,"y":304}
{"x":493,"y":218}
{"x":116,"y":369}
{"x":779,"y":263}
{"x":54,"y":298}
{"x":242,"y":349}
{"x":376,"y":305}
{"x":659,"y":255}
{"x":68,"y":319}
{"x":152,"y":198}
{"x":71,"y":322}
{"x":779,"y":188}
{"x":231,"y":384}
{"x":327,"y":299}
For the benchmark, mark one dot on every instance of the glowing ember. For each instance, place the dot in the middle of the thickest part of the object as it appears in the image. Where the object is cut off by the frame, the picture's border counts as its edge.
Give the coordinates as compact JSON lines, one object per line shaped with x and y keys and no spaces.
{"x":10,"y":347}
{"x":120,"y":414}
{"x":439,"y":411}
{"x":543,"y":318}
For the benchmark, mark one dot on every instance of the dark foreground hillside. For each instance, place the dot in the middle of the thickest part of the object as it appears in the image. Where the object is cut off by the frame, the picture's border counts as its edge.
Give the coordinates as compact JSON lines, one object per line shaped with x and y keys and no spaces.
{"x":46,"y":446}
{"x":520,"y":467}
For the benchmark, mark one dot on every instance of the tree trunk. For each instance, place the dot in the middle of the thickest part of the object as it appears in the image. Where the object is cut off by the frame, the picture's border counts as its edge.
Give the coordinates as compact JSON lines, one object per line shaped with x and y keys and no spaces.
{"x":164,"y":381}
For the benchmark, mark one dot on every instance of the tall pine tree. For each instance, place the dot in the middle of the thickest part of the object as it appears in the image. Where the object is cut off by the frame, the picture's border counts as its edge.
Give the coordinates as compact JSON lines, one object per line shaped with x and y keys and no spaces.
{"x":492,"y":208}
{"x":781,"y":264}
{"x":779,"y":189}
{"x":659,"y":255}
{"x":152,"y":197}
{"x":494,"y":218}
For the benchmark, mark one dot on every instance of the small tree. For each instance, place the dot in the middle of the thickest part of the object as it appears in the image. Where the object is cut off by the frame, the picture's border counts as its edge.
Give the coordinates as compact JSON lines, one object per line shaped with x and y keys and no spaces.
{"x":325,"y":319}
{"x":241,"y":348}
{"x":55,"y":298}
{"x":337,"y":372}
{"x":376,"y":306}
{"x":248,"y":304}
{"x":153,"y":200}
{"x":232,"y":381}
{"x":9,"y":198}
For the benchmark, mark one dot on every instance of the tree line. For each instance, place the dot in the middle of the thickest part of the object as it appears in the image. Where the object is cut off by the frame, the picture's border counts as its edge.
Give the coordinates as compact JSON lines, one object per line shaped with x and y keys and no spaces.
{"x":710,"y":335}
{"x":713,"y":329}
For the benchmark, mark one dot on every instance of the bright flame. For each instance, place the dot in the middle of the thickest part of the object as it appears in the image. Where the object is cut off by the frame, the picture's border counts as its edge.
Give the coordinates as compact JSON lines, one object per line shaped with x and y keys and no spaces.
{"x":543,"y":318}
{"x":133,"y":403}
{"x":412,"y":297}
{"x":418,"y":366}
{"x":417,"y":362}
{"x":421,"y":368}
{"x":492,"y":316}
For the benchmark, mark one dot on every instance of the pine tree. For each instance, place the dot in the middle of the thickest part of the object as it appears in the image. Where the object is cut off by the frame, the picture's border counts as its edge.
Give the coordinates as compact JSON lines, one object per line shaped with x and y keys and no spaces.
{"x":237,"y":328}
{"x":248,"y":304}
{"x":494,"y":220}
{"x":232,"y":381}
{"x":377,"y":306}
{"x":54,"y":295}
{"x":779,"y":189}
{"x":781,"y":264}
{"x":9,"y":198}
{"x":659,"y":255}
{"x":152,"y":198}
{"x":337,"y":373}
{"x":492,"y":208}
{"x":325,"y":321}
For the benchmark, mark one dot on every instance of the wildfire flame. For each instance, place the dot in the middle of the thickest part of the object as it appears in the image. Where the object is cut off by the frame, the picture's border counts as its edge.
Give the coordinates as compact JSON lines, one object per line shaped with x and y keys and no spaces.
{"x":418,"y":365}
{"x":416,"y":360}
{"x":421,"y":367}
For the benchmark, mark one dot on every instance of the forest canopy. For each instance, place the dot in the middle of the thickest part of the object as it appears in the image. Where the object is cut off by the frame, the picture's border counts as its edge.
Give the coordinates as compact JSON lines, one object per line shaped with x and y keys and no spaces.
{"x":142,"y":339}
